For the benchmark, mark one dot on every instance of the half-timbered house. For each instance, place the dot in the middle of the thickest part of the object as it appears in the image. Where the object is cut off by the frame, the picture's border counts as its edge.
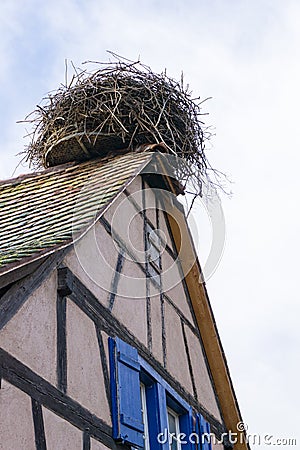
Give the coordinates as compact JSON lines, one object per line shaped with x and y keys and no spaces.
{"x":107,"y":337}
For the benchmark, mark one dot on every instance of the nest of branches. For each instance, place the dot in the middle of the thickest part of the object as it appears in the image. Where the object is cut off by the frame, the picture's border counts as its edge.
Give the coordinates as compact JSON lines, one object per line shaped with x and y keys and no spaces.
{"x":120,"y":105}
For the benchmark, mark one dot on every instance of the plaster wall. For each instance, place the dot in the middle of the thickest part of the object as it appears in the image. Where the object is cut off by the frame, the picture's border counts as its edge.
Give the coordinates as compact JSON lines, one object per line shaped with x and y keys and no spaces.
{"x":30,"y":336}
{"x":85,"y":375}
{"x":60,"y":434}
{"x":16,"y":422}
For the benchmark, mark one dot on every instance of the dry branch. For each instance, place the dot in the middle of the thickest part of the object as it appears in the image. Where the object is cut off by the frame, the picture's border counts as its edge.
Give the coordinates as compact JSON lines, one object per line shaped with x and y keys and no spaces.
{"x":122,"y":105}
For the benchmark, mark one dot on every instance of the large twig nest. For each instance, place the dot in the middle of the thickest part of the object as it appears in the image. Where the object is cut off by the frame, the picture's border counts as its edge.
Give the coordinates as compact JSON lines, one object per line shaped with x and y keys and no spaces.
{"x":120,"y":106}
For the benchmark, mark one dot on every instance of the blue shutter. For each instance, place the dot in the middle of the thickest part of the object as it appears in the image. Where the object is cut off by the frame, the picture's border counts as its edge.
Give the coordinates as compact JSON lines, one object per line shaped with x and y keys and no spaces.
{"x":125,"y":393}
{"x":157,"y":417}
{"x":204,"y":433}
{"x":186,"y":427}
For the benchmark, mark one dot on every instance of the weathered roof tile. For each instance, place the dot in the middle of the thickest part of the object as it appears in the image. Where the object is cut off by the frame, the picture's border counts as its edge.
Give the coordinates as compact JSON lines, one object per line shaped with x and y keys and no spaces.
{"x":42,"y":211}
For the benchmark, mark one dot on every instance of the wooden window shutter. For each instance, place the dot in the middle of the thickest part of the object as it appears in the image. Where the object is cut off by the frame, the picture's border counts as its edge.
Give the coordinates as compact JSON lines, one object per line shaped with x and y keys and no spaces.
{"x":204,"y":433}
{"x":125,"y":393}
{"x":186,"y":426}
{"x":157,"y":417}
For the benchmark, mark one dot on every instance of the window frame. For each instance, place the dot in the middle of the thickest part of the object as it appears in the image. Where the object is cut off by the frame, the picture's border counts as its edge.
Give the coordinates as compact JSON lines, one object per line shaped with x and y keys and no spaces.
{"x":161,"y":396}
{"x":150,"y":374}
{"x":145,"y":415}
{"x":176,"y":416}
{"x":128,"y":370}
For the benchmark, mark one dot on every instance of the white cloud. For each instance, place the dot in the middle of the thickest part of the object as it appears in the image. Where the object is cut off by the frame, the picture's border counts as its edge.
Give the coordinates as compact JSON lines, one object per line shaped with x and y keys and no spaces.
{"x":245,"y":55}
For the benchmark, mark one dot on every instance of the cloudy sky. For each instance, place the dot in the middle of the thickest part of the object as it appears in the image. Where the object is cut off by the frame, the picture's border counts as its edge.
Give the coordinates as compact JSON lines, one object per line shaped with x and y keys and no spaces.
{"x":246,"y":55}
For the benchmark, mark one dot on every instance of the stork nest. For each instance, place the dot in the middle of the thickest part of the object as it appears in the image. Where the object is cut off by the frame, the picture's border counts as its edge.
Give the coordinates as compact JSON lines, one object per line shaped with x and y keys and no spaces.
{"x":120,"y":105}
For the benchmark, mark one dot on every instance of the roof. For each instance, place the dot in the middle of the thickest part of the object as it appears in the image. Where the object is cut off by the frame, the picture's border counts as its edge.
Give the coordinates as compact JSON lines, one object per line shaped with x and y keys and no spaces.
{"x":37,"y":210}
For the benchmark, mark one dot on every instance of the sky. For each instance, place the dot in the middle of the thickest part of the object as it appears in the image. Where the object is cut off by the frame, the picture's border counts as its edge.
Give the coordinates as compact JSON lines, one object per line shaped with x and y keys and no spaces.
{"x":245,"y":55}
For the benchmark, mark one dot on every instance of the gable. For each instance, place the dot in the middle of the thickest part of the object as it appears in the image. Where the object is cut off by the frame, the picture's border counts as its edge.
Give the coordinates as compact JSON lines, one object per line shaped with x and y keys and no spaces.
{"x":118,"y":280}
{"x":154,"y":305}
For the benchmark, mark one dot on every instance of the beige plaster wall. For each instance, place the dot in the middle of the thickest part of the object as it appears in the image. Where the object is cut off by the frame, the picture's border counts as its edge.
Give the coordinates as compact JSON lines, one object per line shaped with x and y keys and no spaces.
{"x":173,"y":287}
{"x":163,"y":227}
{"x":131,"y":309}
{"x":156,"y":327}
{"x":127,"y":224}
{"x":134,"y":190}
{"x":16,"y":423}
{"x":177,"y":362}
{"x":60,"y":434}
{"x":132,"y":281}
{"x":203,"y":384}
{"x":93,"y":261}
{"x":30,"y":336}
{"x":130,"y":303}
{"x":150,"y":204}
{"x":85,"y":375}
{"x":105,"y":337}
{"x":96,"y":445}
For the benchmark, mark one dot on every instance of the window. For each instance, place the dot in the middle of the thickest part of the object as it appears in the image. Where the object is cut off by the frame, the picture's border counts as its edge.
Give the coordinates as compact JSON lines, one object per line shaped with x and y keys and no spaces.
{"x":146,"y":412}
{"x":144,"y":416}
{"x":173,"y":430}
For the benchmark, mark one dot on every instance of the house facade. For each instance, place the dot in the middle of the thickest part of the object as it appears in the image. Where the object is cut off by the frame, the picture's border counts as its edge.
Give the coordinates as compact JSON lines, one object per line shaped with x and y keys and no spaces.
{"x":107,"y":337}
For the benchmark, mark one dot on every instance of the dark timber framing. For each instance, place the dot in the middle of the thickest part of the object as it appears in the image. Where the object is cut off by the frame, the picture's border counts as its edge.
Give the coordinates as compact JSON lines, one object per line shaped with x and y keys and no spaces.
{"x":116,"y":278}
{"x":17,"y":295}
{"x":86,"y":440}
{"x":176,"y":258}
{"x":61,"y":342}
{"x":162,"y":199}
{"x":17,"y":286}
{"x":172,"y":252}
{"x":148,"y":302}
{"x":150,"y":279}
{"x":162,"y":295}
{"x":38,"y":421}
{"x":108,"y":229}
{"x":43,"y":393}
{"x":189,"y":360}
{"x":184,"y":284}
{"x":66,"y":280}
{"x":104,"y":363}
{"x":105,"y":321}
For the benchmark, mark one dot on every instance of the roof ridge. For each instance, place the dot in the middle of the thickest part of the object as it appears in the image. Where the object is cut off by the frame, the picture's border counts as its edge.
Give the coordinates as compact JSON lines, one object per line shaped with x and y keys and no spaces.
{"x":63,"y":167}
{"x":29,"y":175}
